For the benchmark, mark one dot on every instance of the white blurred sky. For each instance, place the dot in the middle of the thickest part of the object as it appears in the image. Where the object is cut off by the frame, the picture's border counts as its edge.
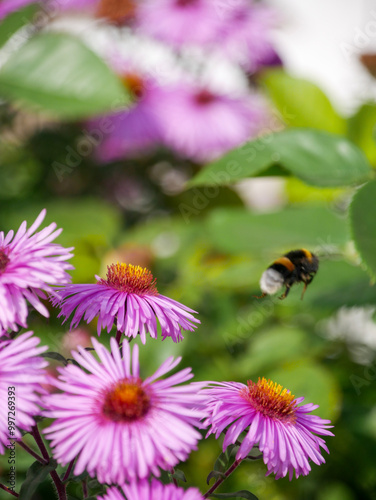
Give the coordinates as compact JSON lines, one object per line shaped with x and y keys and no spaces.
{"x":316,"y":35}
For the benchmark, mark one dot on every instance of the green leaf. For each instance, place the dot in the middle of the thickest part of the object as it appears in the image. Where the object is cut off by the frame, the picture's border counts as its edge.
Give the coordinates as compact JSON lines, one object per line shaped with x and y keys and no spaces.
{"x":56,"y":356}
{"x":58,"y":74}
{"x":274,"y":233}
{"x":316,"y":157}
{"x":35,"y":475}
{"x":179,"y":475}
{"x":239,"y":494}
{"x":216,"y":475}
{"x":361,"y":130}
{"x":301,"y":103}
{"x":223,"y":461}
{"x":363,"y":225}
{"x":14,"y":21}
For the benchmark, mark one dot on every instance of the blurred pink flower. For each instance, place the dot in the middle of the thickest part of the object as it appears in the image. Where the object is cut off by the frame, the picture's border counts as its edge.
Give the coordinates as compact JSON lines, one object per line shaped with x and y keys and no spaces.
{"x":120,"y":426}
{"x":179,"y":22}
{"x":29,"y":264}
{"x":245,"y":35}
{"x":202,"y":125}
{"x":74,"y":338}
{"x":132,"y":131}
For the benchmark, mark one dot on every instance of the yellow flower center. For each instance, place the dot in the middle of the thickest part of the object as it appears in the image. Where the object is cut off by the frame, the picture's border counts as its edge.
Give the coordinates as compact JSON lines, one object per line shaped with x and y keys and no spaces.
{"x":4,"y":260}
{"x":126,"y":402}
{"x":271,"y":400}
{"x":130,"y":279}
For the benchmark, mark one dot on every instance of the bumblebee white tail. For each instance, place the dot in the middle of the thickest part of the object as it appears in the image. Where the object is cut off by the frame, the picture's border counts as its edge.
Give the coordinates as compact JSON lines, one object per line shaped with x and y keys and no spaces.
{"x":271,"y":281}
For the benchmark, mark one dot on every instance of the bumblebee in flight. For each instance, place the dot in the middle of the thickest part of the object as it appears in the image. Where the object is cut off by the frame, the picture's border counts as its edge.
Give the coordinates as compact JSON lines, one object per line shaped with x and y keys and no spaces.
{"x":297,"y":266}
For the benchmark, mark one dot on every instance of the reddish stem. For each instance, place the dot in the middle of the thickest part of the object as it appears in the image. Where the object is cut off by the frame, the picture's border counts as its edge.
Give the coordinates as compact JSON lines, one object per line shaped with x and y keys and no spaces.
{"x":174,"y":479}
{"x":60,"y":487}
{"x":85,"y":490}
{"x":220,"y":481}
{"x":32,"y":452}
{"x":5,"y":488}
{"x":68,"y":471}
{"x":118,"y":336}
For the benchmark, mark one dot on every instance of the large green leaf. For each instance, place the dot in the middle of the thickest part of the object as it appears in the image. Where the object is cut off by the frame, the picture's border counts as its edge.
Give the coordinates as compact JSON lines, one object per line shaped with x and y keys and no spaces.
{"x":57,"y":73}
{"x":314,"y":156}
{"x":363,"y":224}
{"x":301,"y":103}
{"x":35,"y":475}
{"x":238,"y":231}
{"x":361,"y":130}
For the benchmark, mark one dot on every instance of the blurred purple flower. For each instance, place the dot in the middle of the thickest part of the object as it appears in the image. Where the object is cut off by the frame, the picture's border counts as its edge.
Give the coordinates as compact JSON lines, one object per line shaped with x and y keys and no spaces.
{"x":21,"y":375}
{"x":194,"y":122}
{"x":128,"y":296}
{"x":179,"y":22}
{"x":284,"y":432}
{"x":202,"y":125}
{"x":155,"y":490}
{"x":29,"y":265}
{"x":135,"y":130}
{"x":245,"y":36}
{"x":120,"y":426}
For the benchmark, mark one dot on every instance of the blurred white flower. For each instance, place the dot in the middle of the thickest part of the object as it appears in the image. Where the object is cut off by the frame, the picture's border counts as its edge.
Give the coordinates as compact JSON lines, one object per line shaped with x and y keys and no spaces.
{"x":354,"y":326}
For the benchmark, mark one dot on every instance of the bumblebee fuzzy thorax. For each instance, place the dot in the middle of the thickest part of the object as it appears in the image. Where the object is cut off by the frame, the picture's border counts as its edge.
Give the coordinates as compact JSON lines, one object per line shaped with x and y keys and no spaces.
{"x":296,"y":266}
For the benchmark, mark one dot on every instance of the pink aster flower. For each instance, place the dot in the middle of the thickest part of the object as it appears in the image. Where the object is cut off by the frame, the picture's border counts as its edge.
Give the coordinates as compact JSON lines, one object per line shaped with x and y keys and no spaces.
{"x":29,"y":264}
{"x":21,"y":377}
{"x":128,"y":296}
{"x":284,"y":432}
{"x":202,"y":125}
{"x":143,"y":490}
{"x":246,"y":34}
{"x":179,"y":22}
{"x":120,"y":426}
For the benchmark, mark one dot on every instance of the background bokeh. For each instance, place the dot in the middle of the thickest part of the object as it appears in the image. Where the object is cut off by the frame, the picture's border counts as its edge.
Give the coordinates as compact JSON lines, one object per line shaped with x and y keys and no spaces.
{"x":208,"y":246}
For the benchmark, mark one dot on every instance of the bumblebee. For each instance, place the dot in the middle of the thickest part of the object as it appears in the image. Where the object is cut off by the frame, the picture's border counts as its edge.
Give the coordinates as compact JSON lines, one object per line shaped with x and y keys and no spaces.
{"x":297,"y":266}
